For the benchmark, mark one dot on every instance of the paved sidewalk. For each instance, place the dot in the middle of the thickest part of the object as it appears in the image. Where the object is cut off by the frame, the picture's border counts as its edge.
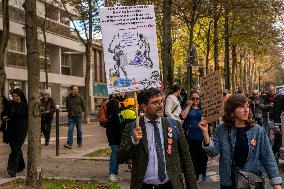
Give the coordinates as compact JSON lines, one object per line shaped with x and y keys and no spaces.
{"x":72,"y":165}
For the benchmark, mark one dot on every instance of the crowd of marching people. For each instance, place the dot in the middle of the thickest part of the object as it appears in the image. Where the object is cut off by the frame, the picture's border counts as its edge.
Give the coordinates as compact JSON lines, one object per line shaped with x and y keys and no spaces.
{"x":171,"y":127}
{"x":168,"y":144}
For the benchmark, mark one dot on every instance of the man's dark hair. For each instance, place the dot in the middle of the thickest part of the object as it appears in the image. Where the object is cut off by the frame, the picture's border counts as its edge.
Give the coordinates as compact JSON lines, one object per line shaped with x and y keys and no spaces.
{"x":144,"y":96}
{"x":71,"y":88}
{"x":176,"y":88}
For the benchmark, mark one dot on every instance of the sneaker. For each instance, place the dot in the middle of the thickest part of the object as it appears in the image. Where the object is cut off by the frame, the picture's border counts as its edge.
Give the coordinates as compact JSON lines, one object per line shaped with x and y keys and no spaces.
{"x":80,"y":145}
{"x":12,"y":173}
{"x":69,"y":146}
{"x":46,"y":143}
{"x":112,"y":178}
{"x":205,"y":178}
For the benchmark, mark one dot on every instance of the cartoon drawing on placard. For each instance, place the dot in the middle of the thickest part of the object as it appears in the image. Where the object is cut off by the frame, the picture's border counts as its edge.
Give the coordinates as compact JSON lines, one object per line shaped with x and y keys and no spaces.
{"x":130,"y":48}
{"x":154,"y":80}
{"x":119,"y":57}
{"x":142,"y":56}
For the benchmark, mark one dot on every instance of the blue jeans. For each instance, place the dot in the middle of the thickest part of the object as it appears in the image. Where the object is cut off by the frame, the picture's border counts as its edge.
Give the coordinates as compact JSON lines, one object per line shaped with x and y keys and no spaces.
{"x":113,"y":164}
{"x":71,"y":122}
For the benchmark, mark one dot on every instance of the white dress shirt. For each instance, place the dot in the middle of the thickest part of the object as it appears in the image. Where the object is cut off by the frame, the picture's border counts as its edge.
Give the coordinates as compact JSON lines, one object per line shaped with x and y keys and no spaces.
{"x":151,"y":176}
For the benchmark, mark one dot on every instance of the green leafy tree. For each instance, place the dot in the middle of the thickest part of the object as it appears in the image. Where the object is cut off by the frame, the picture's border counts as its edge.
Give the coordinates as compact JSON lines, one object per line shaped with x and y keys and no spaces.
{"x":88,"y":21}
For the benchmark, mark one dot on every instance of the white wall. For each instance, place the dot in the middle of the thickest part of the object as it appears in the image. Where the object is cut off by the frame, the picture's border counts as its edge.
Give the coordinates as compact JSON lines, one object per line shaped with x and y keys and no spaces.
{"x":21,"y":74}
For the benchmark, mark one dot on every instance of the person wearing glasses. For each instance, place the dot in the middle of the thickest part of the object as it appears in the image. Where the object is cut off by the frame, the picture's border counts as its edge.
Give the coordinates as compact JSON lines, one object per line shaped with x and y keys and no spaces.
{"x":192,"y":116}
{"x":157,"y":148}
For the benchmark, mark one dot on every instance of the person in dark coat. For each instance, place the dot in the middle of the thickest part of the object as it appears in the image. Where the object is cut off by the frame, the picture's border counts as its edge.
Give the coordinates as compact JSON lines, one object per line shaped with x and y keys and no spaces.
{"x":157,"y":148}
{"x":47,"y":110}
{"x":278,"y":108}
{"x":15,"y":114}
{"x":113,"y":130}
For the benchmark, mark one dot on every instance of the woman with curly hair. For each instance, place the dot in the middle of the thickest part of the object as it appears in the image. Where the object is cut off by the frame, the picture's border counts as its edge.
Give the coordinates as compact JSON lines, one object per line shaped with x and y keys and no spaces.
{"x":247,"y":141}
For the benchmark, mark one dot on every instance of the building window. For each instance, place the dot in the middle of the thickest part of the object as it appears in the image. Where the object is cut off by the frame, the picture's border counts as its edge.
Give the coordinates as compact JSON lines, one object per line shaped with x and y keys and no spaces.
{"x":16,"y":44}
{"x":16,"y":59}
{"x":16,"y":51}
{"x":66,"y":64}
{"x":42,"y":58}
{"x":51,"y":12}
{"x":15,"y":84}
{"x":64,"y":94}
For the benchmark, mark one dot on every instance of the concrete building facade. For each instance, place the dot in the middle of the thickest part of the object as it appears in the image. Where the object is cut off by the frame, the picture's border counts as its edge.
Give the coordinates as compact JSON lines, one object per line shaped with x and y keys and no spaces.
{"x":99,"y":88}
{"x":65,"y":55}
{"x":64,"y":51}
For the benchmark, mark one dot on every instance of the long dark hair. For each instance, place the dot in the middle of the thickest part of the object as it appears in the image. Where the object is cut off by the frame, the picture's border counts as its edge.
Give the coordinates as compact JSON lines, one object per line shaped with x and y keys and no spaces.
{"x":233,"y":102}
{"x":195,"y":92}
{"x":21,"y":94}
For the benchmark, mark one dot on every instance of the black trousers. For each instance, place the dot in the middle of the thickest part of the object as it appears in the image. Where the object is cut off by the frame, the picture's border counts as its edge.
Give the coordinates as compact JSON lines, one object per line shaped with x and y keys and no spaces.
{"x":16,"y":161}
{"x":46,"y":127}
{"x":277,"y":143}
{"x":198,"y":156}
{"x":226,"y":187}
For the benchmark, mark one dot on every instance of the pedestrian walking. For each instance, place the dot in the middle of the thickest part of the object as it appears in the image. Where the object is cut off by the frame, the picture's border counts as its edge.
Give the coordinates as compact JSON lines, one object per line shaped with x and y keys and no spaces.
{"x":157,"y":147}
{"x":278,"y":108}
{"x":242,"y":145}
{"x":267,"y":107}
{"x":47,"y":110}
{"x":15,"y":115}
{"x":113,"y":132}
{"x":192,"y":116}
{"x":255,"y":101}
{"x":172,"y":104}
{"x":75,"y":108}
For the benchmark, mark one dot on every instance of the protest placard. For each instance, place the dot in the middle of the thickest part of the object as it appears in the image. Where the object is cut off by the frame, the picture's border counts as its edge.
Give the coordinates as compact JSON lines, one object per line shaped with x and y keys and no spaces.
{"x":130,"y":48}
{"x":211,"y":91}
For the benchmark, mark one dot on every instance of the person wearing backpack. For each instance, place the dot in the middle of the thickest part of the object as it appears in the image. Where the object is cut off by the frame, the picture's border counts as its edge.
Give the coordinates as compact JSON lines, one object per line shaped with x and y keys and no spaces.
{"x":113,"y":130}
{"x":172,"y":104}
{"x":157,"y":147}
{"x":128,"y":114}
{"x":102,"y":114}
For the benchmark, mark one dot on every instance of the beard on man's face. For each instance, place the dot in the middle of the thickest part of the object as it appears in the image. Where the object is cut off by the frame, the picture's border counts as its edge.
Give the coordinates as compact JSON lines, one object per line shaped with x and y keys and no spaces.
{"x":159,"y":112}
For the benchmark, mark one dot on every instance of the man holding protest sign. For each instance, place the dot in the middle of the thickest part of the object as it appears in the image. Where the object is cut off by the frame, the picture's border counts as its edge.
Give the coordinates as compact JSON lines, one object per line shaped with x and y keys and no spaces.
{"x":157,"y":147}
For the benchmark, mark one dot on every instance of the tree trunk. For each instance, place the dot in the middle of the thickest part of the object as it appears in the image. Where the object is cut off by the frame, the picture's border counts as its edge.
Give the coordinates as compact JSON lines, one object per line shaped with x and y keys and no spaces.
{"x":34,"y":170}
{"x":166,"y":48}
{"x":3,"y":44}
{"x":234,"y":67}
{"x":253,"y":75}
{"x":227,"y":50}
{"x":216,"y":38}
{"x":245,"y":72}
{"x":189,"y":68}
{"x":249,"y":73}
{"x":241,"y":69}
{"x":88,"y":64}
{"x":208,"y":48}
{"x":45,"y":49}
